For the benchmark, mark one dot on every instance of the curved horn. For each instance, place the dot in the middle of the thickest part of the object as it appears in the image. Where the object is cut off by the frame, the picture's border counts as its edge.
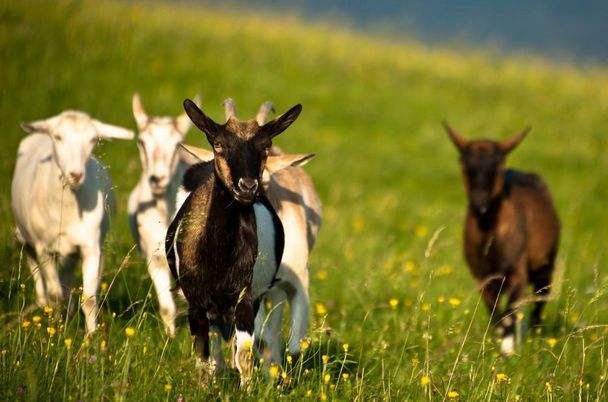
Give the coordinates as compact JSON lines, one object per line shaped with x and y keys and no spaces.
{"x":456,"y":138}
{"x":510,"y":143}
{"x":265,"y":110}
{"x":230,"y":109}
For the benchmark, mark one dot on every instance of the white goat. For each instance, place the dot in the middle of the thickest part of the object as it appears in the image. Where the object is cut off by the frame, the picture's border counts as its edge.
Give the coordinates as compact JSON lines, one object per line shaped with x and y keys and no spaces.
{"x":60,"y":195}
{"x":292,"y":194}
{"x":155,"y":198}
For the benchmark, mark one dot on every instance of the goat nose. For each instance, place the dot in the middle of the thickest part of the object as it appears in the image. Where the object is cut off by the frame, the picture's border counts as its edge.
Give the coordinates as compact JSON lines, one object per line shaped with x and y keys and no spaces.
{"x":154,"y":179}
{"x":248,"y":185}
{"x":76,"y":176}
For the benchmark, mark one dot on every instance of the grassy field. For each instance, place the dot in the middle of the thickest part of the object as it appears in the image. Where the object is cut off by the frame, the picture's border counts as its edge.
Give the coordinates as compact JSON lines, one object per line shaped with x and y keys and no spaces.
{"x":393,"y":306}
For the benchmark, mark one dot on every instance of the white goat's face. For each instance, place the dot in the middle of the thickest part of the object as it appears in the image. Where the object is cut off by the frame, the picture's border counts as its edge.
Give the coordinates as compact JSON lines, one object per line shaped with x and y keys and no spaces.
{"x":157,"y":141}
{"x":74,"y":135}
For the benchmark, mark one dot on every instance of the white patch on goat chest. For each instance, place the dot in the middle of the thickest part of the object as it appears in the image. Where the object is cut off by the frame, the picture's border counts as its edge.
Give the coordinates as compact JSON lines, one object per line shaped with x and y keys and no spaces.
{"x":265,"y":266}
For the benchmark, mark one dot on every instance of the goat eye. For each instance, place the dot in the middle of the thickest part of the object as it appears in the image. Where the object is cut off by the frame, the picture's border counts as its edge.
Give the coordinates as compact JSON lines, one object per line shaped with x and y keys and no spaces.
{"x":217,"y":147}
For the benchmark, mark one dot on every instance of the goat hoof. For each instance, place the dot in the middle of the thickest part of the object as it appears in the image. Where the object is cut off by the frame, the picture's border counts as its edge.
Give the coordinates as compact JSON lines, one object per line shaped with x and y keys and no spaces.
{"x":244,"y":360}
{"x":170,"y":331}
{"x":245,"y":384}
{"x":207,"y":370}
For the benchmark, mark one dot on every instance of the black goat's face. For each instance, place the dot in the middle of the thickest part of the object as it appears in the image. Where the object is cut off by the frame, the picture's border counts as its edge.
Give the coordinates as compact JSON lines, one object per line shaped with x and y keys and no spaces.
{"x":240,"y":148}
{"x":483,"y":164}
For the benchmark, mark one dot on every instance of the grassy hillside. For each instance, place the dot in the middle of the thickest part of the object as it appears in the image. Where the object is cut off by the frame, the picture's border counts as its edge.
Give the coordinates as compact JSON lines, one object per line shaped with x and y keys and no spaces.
{"x":388,"y":278}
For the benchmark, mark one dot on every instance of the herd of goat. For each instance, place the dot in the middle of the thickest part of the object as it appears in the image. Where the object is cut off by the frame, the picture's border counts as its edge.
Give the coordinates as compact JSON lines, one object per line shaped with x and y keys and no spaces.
{"x":231,"y":229}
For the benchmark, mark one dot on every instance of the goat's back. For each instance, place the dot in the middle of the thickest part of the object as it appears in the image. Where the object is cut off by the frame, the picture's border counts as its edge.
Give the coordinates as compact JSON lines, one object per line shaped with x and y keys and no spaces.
{"x":292,"y":194}
{"x":531,"y":196}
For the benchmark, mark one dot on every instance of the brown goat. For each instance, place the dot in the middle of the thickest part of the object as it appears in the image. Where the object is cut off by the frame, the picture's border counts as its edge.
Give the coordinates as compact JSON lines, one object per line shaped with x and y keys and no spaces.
{"x":511,"y":230}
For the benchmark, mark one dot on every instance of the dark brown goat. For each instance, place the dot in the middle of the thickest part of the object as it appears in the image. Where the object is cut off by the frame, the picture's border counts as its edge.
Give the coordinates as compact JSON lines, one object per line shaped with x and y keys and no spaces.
{"x":224,"y":228}
{"x":511,"y":230}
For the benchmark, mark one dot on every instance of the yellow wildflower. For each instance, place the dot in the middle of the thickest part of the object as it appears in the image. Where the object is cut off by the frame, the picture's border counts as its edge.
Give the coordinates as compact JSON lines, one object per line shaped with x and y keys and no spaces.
{"x":309,"y":393}
{"x":454,"y":301}
{"x":345,"y":347}
{"x":410,"y":266}
{"x":25,"y":324}
{"x":48,"y":310}
{"x":103,"y":346}
{"x":501,"y":377}
{"x":326,"y":378}
{"x":425,"y":307}
{"x":444,"y":270}
{"x":273,"y":371}
{"x":22,"y":286}
{"x":425,"y":380}
{"x":519,"y":316}
{"x":325,"y":359}
{"x":548,"y":386}
{"x":104,"y":286}
{"x":289,"y":359}
{"x":321,"y":309}
{"x":247,"y":344}
{"x":453,"y":394}
{"x":68,"y":343}
{"x":323,"y":397}
{"x":345,"y":376}
{"x":393,"y":303}
{"x":441,"y":299}
{"x":51,"y":330}
{"x":168,"y":387}
{"x":304,"y":344}
{"x":421,"y":230}
{"x":551,"y":342}
{"x":322,"y":275}
{"x":358,"y":224}
{"x":130,"y":331}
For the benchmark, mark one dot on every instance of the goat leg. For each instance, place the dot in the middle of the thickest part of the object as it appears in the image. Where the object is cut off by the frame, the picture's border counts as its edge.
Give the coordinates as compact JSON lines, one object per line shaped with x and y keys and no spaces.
{"x":199,"y":328}
{"x":243,"y":353}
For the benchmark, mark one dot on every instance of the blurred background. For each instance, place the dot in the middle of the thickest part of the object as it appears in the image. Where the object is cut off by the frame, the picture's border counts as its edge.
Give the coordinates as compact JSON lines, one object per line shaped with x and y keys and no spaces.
{"x":566,"y":30}
{"x":387,"y":274}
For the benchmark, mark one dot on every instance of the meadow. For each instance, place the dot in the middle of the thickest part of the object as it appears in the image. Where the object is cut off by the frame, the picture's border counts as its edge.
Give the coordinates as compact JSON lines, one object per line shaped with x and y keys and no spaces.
{"x":395,"y":314}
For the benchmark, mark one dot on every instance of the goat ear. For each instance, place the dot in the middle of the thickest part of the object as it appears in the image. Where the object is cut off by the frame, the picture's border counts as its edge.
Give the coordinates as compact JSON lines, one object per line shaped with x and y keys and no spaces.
{"x":192,"y":155}
{"x":510,"y":143}
{"x":38,"y":126}
{"x":200,"y":120}
{"x":109,"y":131}
{"x":457,"y":139}
{"x":183,"y":122}
{"x":139,"y":113}
{"x":280,"y":124}
{"x":274,"y":163}
{"x":265,"y":110}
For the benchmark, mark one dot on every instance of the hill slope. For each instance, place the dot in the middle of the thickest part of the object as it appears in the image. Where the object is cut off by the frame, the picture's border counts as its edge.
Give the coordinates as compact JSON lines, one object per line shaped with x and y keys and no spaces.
{"x":386,"y":173}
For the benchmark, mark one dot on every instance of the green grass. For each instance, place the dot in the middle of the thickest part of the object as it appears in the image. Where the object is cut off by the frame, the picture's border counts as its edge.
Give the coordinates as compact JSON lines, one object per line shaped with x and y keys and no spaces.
{"x":386,"y":173}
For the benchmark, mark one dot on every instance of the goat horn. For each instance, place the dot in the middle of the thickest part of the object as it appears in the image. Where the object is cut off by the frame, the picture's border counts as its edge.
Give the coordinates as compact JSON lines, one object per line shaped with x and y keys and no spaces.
{"x":230,"y":109}
{"x":455,"y":136}
{"x":265,"y":109}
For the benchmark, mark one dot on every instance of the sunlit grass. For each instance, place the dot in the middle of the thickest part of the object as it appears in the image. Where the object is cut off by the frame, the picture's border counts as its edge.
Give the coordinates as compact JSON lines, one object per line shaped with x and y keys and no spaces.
{"x":394,"y":312}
